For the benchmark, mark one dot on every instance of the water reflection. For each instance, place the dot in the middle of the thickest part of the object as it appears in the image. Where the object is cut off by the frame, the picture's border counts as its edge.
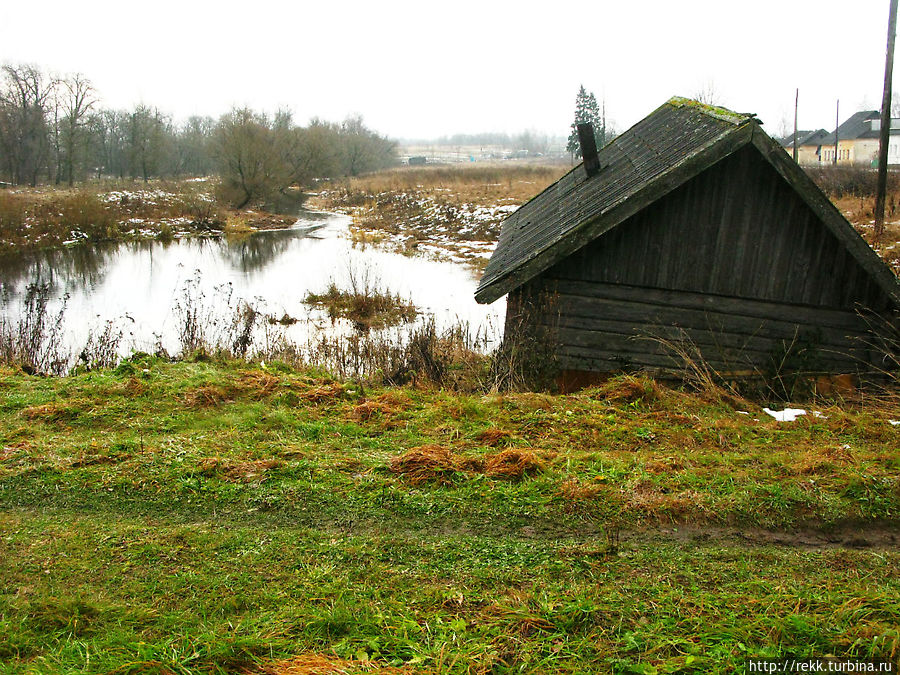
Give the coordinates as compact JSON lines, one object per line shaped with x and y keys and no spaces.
{"x":143,"y":280}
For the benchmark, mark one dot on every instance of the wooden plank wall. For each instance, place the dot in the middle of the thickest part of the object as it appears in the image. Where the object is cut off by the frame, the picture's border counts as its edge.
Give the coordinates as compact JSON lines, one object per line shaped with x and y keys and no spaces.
{"x":732,"y":265}
{"x":737,"y":229}
{"x":610,"y":327}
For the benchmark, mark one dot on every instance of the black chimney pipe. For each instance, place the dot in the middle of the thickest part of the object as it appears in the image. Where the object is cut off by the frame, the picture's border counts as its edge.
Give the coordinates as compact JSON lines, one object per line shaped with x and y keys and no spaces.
{"x":588,"y":148}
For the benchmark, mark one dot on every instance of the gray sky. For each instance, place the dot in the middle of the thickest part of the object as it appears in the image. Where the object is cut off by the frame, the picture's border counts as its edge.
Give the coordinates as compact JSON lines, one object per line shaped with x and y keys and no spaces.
{"x":423,"y":69}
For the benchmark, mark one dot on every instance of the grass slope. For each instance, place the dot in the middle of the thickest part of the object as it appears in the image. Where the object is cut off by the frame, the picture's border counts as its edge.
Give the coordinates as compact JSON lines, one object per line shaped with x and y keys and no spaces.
{"x":218,"y":517}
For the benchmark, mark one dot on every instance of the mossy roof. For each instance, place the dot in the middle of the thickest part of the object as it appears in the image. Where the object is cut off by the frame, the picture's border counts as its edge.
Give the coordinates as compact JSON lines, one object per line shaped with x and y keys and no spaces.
{"x":670,"y":146}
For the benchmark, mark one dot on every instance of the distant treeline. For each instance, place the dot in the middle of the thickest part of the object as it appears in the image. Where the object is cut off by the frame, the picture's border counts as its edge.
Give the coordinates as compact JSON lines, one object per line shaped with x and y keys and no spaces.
{"x":532,"y":141}
{"x":55,"y":130}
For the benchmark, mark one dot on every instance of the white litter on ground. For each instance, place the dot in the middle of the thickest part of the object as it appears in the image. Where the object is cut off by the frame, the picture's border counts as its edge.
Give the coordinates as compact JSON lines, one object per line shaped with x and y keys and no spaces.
{"x":786,"y":415}
{"x":894,"y":423}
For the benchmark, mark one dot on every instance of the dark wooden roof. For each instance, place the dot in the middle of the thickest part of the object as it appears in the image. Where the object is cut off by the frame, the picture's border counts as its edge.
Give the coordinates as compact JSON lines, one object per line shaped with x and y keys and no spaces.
{"x":658,"y":154}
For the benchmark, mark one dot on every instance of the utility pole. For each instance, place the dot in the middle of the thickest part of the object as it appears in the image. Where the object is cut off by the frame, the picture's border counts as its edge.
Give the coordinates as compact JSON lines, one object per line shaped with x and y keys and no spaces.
{"x":837,"y":123}
{"x":796,"y":104}
{"x":603,"y":132}
{"x":884,"y":137}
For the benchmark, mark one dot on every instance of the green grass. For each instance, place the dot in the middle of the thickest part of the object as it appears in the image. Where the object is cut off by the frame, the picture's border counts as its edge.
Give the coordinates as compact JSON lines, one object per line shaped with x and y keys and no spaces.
{"x":214,"y":517}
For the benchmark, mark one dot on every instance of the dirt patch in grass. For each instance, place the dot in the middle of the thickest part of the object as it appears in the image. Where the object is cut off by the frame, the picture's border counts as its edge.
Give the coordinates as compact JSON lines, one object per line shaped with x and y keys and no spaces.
{"x":851,"y":534}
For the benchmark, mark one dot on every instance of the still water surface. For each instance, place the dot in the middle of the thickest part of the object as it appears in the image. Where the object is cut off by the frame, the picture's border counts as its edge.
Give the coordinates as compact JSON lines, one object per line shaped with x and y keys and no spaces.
{"x":137,"y":284}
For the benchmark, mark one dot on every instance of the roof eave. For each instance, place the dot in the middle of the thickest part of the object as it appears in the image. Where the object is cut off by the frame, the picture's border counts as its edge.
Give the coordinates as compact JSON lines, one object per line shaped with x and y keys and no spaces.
{"x":582,"y":234}
{"x":829,"y":214}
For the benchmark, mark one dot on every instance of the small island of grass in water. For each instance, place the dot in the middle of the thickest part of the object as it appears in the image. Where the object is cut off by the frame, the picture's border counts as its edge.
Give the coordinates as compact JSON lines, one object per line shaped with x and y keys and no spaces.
{"x":365,"y":304}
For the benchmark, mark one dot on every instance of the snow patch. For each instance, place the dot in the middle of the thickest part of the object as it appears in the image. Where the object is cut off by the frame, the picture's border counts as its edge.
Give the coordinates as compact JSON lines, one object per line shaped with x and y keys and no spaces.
{"x":786,"y":415}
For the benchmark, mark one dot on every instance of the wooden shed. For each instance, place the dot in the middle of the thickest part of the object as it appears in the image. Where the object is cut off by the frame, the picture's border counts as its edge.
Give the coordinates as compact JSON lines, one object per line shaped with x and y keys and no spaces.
{"x":694,"y":228}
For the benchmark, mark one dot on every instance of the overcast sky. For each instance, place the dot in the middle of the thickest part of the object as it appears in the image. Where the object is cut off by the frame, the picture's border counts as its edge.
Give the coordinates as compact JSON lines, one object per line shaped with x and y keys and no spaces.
{"x":421,"y":69}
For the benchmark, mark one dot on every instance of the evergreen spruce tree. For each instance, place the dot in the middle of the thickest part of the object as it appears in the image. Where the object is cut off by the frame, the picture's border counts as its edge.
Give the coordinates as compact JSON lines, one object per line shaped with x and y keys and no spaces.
{"x":586,"y":110}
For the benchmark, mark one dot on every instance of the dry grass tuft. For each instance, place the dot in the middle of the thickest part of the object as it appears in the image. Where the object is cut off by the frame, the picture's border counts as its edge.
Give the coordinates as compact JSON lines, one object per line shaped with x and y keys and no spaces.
{"x":426,"y":464}
{"x":206,"y":396}
{"x":577,"y":496}
{"x":629,"y":389}
{"x":258,"y":384}
{"x":321,"y":664}
{"x":369,"y":409}
{"x":58,"y":411}
{"x":492,"y":437}
{"x":91,"y":459}
{"x":471,"y":464}
{"x":822,"y":460}
{"x":325,"y":392}
{"x":384,"y":406}
{"x":664,"y":465}
{"x":512,"y":464}
{"x":530,"y":401}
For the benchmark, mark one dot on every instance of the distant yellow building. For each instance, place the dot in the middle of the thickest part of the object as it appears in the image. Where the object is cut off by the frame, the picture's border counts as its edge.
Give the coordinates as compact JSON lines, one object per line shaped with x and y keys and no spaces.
{"x":857,"y":142}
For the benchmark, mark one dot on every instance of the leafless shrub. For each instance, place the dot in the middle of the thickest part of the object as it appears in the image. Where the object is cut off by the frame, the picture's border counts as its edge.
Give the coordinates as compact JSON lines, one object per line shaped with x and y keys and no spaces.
{"x":453,"y":357}
{"x":854,"y":181}
{"x":218,"y":325}
{"x":34,"y":340}
{"x":102,"y":348}
{"x":242,"y":323}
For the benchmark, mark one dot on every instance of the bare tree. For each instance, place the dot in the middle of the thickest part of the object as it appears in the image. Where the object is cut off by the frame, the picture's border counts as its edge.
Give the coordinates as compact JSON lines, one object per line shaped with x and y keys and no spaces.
{"x":147,"y":138}
{"x":193,"y":141}
{"x":362,"y":149}
{"x":77,"y":102}
{"x":26,"y":94}
{"x":250,"y":164}
{"x":318,"y":150}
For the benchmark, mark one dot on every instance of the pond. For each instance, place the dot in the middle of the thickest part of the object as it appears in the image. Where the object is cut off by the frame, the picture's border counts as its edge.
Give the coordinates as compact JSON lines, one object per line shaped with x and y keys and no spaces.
{"x":138,"y":285}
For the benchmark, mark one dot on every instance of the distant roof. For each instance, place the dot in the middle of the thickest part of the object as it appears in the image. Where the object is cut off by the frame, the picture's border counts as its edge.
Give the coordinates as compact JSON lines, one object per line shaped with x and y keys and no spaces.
{"x":856,"y":126}
{"x":667,"y":148}
{"x":809,"y":137}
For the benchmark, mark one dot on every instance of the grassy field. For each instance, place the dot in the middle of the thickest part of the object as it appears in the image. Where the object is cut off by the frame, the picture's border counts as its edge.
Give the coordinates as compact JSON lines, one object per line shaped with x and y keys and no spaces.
{"x":213,"y":517}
